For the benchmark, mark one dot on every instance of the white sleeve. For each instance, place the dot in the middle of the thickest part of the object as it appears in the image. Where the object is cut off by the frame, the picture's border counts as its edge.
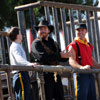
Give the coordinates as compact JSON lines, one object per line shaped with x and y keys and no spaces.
{"x":19,"y":57}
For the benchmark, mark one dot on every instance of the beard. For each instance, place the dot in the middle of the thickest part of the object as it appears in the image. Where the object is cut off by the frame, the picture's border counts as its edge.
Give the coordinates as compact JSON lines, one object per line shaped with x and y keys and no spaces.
{"x":43,"y":35}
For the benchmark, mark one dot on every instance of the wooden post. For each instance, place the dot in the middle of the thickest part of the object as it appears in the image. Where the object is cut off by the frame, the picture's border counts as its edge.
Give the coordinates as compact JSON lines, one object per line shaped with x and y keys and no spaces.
{"x":32,"y":21}
{"x":22,"y":26}
{"x":97,"y":42}
{"x":79,"y":16}
{"x":89,"y":25}
{"x":42,"y":91}
{"x":72,"y":23}
{"x":3,"y":33}
{"x":72,"y":87}
{"x":9,"y":82}
{"x":64,"y":26}
{"x":47,"y":15}
{"x":1,"y":94}
{"x":56,"y":24}
{"x":3,"y":51}
{"x":97,"y":79}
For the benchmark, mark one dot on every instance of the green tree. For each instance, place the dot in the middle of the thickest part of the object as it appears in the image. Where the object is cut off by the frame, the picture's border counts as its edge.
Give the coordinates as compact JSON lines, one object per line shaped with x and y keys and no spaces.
{"x":8,"y":15}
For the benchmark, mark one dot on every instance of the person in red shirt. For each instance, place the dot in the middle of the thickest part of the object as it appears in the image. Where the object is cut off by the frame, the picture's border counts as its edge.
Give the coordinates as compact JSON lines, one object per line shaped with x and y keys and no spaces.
{"x":85,"y":83}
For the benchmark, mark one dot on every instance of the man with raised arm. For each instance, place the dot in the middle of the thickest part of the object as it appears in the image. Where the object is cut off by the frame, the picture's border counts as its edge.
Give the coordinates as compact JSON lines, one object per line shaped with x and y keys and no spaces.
{"x":46,"y":52}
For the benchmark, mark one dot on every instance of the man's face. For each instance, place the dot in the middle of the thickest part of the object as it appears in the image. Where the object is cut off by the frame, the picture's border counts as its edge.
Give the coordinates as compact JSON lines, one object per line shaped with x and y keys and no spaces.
{"x":43,"y":32}
{"x":81,"y":33}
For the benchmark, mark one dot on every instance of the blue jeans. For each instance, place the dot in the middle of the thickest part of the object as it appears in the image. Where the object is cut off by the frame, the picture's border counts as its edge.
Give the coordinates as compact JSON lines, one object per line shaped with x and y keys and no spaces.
{"x":17,"y":86}
{"x":86,"y":87}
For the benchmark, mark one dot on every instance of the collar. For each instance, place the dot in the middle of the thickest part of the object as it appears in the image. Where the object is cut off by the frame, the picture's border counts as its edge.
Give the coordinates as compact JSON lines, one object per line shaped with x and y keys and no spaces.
{"x":49,"y":38}
{"x":81,"y":41}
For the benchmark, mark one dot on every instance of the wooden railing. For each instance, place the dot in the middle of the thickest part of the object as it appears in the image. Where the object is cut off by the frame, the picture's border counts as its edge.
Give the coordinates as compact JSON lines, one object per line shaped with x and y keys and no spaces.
{"x":45,"y":68}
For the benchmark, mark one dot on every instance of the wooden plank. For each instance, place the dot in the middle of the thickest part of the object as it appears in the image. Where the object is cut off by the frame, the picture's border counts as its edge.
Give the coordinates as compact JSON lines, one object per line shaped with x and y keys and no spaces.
{"x":56,"y":24}
{"x":42,"y":91}
{"x":89,"y":25}
{"x":64,"y":26}
{"x":47,"y":68}
{"x":72,"y":24}
{"x":72,"y":86}
{"x":47,"y":15}
{"x":32,"y":21}
{"x":83,"y":20}
{"x":3,"y":33}
{"x":1,"y":93}
{"x":69,"y":31}
{"x":97,"y":42}
{"x":90,"y":30}
{"x":8,"y":44}
{"x":79,"y":16}
{"x":93,"y":32}
{"x":22,"y":26}
{"x":9,"y":83}
{"x":69,"y":6}
{"x":27,"y":6}
{"x":97,"y":78}
{"x":58,"y":5}
{"x":3,"y":51}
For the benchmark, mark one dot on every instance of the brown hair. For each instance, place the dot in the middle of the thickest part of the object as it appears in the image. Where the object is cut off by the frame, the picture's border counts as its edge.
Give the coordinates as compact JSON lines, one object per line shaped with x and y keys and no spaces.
{"x":13,"y":32}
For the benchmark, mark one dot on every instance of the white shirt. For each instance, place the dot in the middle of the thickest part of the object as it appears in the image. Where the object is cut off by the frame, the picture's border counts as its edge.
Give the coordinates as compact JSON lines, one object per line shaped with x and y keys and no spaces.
{"x":17,"y":55}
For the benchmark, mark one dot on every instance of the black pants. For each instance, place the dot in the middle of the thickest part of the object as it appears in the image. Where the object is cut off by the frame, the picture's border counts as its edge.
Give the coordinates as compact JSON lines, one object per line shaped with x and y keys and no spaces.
{"x":21,"y":86}
{"x":35,"y":91}
{"x":53,"y":89}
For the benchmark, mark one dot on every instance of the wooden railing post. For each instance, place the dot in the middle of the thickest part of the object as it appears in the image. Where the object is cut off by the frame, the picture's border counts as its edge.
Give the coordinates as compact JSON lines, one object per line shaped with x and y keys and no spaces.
{"x":72,"y":87}
{"x":97,"y":79}
{"x":1,"y":94}
{"x":9,"y":82}
{"x":22,"y":26}
{"x":41,"y":82}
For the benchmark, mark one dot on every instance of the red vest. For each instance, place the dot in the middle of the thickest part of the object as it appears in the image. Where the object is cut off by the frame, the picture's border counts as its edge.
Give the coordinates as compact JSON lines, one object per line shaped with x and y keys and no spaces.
{"x":85,"y":52}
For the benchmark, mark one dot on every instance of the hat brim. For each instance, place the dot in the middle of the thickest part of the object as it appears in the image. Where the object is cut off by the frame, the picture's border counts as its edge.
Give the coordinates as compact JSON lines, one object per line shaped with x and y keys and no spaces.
{"x":51,"y":27}
{"x":80,"y":28}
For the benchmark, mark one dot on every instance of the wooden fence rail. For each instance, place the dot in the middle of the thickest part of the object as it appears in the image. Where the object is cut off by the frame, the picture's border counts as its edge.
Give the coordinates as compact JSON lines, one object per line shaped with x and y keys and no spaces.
{"x":44,"y":68}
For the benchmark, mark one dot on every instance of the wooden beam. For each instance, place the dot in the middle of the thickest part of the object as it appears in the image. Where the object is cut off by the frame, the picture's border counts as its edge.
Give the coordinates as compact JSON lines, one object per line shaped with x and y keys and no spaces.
{"x":58,"y":5}
{"x":3,"y":33}
{"x":46,"y":68}
{"x":27,"y":6}
{"x":1,"y":93}
{"x":69,"y":6}
{"x":83,"y":20}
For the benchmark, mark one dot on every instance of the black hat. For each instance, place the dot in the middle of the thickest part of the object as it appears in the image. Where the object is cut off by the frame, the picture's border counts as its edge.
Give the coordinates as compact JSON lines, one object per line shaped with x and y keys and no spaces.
{"x":45,"y":23}
{"x":80,"y":26}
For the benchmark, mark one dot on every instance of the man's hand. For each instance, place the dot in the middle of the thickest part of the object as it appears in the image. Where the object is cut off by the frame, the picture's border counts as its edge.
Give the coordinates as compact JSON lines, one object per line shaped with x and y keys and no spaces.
{"x":34,"y":65}
{"x":85,"y":67}
{"x":65,"y":55}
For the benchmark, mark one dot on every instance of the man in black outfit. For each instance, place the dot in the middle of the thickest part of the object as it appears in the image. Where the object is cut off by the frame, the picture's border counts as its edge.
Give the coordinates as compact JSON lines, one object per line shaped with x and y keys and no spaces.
{"x":46,"y":52}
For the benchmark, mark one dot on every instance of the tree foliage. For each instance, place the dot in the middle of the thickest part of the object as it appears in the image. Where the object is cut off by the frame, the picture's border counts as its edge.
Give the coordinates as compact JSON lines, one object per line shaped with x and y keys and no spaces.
{"x":8,"y":15}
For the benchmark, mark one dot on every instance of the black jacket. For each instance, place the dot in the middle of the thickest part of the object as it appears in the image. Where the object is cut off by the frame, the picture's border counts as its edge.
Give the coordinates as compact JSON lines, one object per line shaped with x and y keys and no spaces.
{"x":41,"y":55}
